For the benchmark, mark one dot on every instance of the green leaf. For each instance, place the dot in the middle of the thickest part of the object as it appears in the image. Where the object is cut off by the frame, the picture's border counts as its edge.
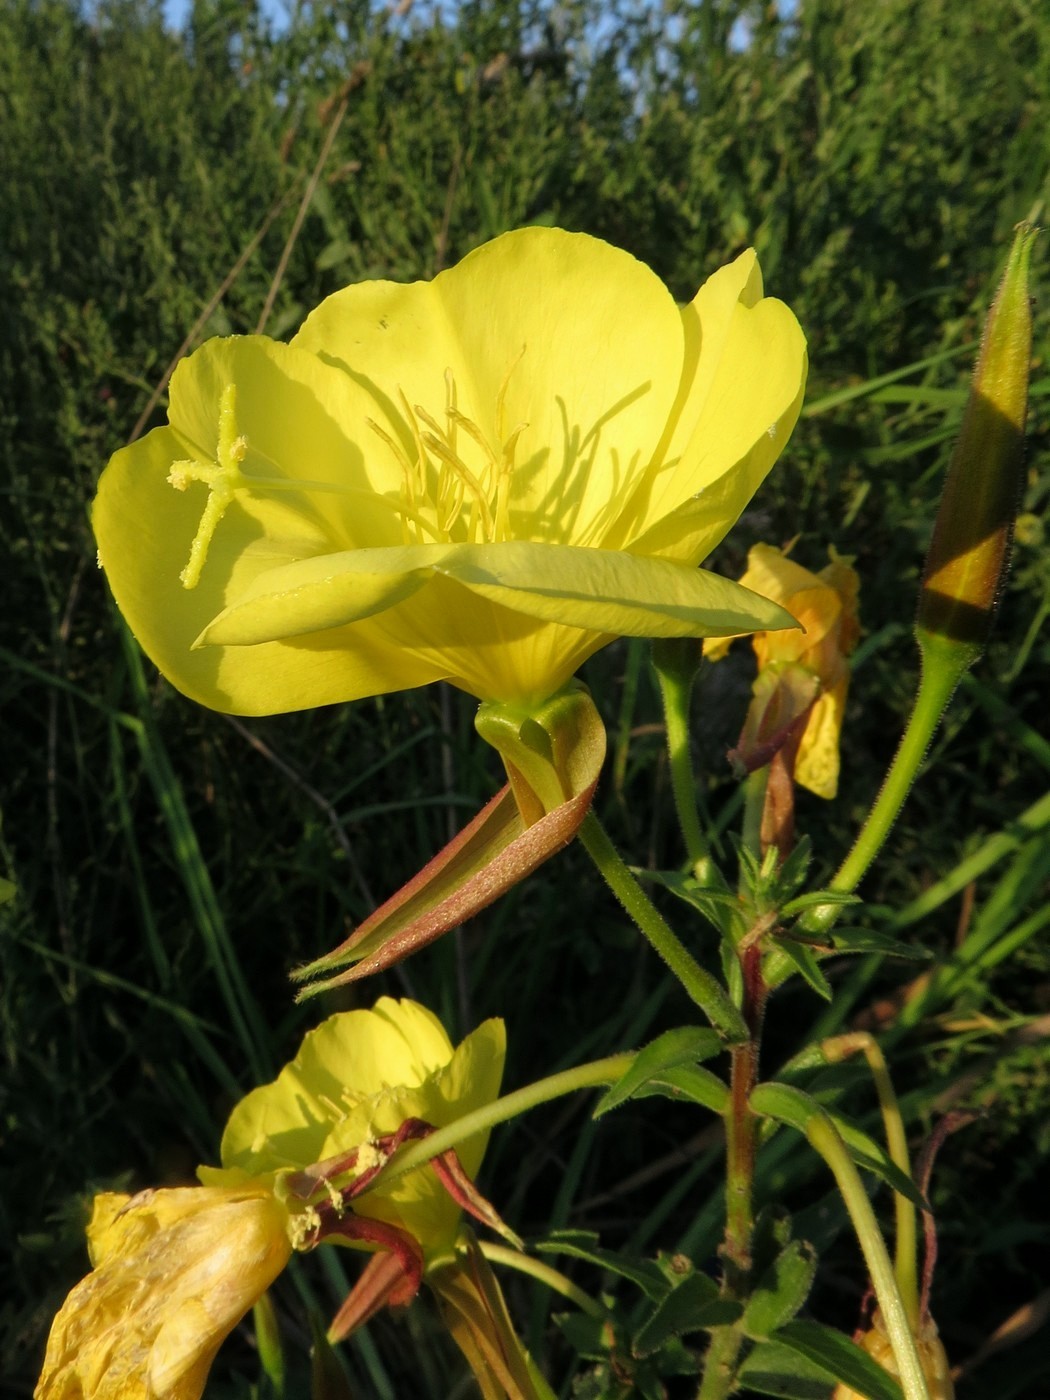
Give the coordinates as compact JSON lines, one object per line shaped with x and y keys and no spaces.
{"x":842,"y":1358}
{"x":716,"y":902}
{"x":866,"y":940}
{"x":794,"y":870}
{"x":815,"y":898}
{"x":684,"y":1046}
{"x":587,"y":1335}
{"x":772,"y":1368}
{"x":789,"y":1105}
{"x":690,"y":1082}
{"x":806,"y":963}
{"x":583,"y":1244}
{"x":693,"y":1305}
{"x":781,"y":1290}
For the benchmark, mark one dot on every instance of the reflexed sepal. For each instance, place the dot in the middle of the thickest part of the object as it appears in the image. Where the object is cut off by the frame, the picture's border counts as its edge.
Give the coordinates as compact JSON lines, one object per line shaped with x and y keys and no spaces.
{"x":553,"y":754}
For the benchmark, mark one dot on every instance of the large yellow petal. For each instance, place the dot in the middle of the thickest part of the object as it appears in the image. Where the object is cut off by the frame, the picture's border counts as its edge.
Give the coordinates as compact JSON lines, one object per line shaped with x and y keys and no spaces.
{"x":749,"y":410}
{"x":348,"y":1060}
{"x":706,"y":322}
{"x":581,"y":344}
{"x":144,"y":529}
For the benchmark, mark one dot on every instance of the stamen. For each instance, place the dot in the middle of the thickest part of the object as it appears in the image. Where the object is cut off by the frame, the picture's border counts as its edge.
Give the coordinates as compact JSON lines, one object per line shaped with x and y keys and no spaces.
{"x":441,"y":449}
{"x":451,"y":407}
{"x":502,"y":393}
{"x":409,"y":474}
{"x":506,"y":471}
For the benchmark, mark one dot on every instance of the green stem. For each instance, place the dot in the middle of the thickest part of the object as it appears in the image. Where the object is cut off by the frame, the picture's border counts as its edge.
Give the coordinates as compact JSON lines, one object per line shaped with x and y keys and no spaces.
{"x":720,"y":1363}
{"x":588,"y":1076}
{"x":906,"y":1232}
{"x":741,"y":1152}
{"x":943,"y":666}
{"x":674,"y":661}
{"x":701,"y":986}
{"x":543,"y":1273}
{"x":825,"y":1139}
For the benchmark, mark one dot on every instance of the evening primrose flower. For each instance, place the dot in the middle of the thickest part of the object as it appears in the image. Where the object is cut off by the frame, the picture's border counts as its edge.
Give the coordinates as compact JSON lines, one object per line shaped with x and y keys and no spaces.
{"x":357,"y":1079}
{"x":483,"y":479}
{"x":803,"y":676}
{"x":174,"y":1271}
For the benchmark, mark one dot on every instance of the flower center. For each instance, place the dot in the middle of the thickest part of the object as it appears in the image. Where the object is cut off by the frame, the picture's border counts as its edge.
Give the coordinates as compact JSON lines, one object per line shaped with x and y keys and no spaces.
{"x":455,"y":485}
{"x":455,"y":482}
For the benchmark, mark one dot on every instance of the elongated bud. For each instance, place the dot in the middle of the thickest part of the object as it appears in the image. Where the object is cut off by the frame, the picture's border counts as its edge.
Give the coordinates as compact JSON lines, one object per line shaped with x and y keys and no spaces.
{"x":970,"y":549}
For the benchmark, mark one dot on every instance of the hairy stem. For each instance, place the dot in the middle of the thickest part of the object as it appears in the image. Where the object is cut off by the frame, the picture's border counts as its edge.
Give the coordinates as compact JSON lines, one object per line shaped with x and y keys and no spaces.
{"x":702,"y":987}
{"x":942,"y":669}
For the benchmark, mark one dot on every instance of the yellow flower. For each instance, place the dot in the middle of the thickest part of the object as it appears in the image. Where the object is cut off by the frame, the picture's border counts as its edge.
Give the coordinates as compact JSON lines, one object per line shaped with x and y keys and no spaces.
{"x":174,"y":1272}
{"x":808,"y":668}
{"x":483,"y":478}
{"x":356,"y":1080}
{"x":932,"y":1358}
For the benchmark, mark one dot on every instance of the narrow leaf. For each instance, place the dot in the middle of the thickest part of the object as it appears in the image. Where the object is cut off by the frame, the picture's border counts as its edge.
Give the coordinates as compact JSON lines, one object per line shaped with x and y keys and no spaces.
{"x":684,"y":1046}
{"x":583,"y":1244}
{"x":842,"y":1357}
{"x":806,"y":963}
{"x":775,"y":1369}
{"x":789,"y":1105}
{"x":865,"y":940}
{"x":690,"y":1082}
{"x":692,"y":1306}
{"x":781,"y":1290}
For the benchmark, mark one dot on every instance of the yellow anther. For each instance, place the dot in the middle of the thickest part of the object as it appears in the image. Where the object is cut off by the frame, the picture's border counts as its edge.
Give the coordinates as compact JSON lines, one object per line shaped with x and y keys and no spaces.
{"x":369,"y":1156}
{"x":442,"y":496}
{"x":303,"y":1228}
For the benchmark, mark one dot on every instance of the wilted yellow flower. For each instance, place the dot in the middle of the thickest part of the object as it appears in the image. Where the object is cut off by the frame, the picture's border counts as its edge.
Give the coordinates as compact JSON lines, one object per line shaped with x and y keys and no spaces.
{"x":932,"y":1358}
{"x":174,"y":1272}
{"x":357,"y":1079}
{"x":804,"y":671}
{"x":483,"y":479}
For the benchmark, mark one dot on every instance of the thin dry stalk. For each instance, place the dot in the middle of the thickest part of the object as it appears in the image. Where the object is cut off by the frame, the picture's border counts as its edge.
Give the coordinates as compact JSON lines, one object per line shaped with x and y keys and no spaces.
{"x":300,"y":213}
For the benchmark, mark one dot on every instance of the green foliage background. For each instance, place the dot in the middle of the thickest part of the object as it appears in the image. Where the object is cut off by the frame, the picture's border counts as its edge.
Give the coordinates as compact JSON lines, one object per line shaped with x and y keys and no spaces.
{"x":172,"y":865}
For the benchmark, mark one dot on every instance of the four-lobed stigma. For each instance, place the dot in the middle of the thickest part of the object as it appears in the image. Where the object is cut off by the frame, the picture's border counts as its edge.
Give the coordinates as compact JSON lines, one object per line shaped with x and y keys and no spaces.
{"x":223,"y":477}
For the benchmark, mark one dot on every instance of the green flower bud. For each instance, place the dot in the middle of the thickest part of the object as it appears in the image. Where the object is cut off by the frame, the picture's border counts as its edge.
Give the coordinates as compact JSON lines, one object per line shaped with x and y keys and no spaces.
{"x":970,"y":549}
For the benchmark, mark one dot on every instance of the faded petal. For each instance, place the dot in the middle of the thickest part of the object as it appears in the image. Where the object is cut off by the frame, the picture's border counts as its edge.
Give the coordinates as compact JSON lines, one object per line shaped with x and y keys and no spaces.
{"x":174,"y":1272}
{"x":825,"y":606}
